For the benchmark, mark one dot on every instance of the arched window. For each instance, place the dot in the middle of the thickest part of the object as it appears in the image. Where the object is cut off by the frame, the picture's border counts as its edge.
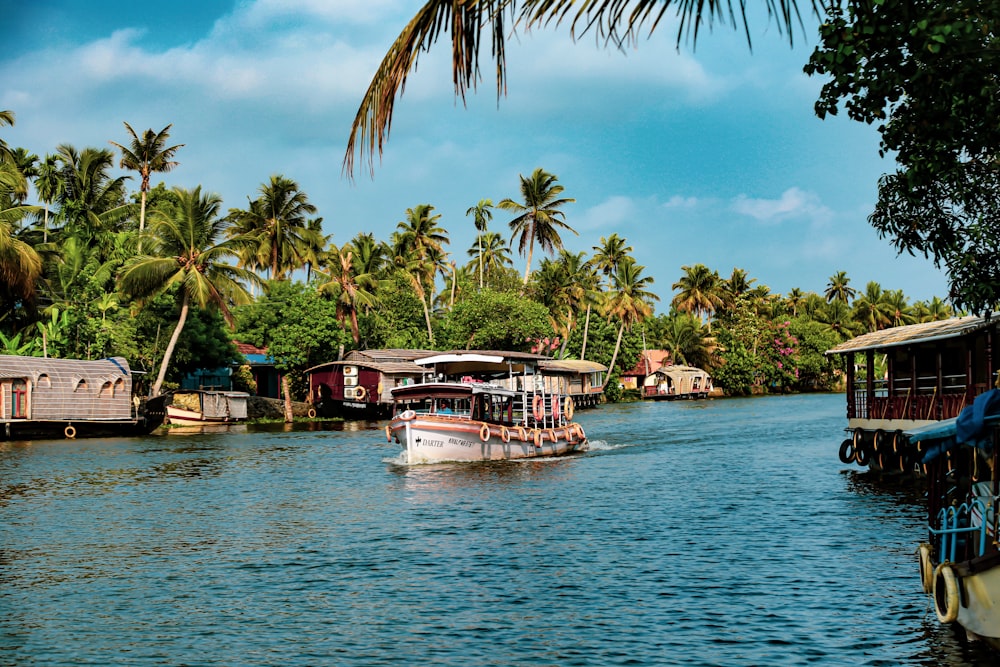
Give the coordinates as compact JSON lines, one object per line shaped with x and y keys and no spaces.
{"x":44,"y":381}
{"x":81,"y":386}
{"x":107,"y":390}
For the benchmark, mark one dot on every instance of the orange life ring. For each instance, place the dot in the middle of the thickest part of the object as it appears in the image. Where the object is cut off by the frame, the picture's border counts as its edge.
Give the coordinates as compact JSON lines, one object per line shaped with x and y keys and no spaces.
{"x":522,"y":434}
{"x":568,"y":408}
{"x":537,"y":437}
{"x":554,"y":401}
{"x":538,"y":408}
{"x":360,"y":393}
{"x":312,"y":413}
{"x":552,"y":434}
{"x":69,"y":432}
{"x":484,"y":433}
{"x":581,"y":432}
{"x":407,"y":415}
{"x":504,"y":434}
{"x":388,"y":433}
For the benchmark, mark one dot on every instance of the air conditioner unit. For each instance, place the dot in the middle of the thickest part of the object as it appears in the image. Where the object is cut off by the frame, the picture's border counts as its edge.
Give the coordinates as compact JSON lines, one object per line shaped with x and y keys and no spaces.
{"x":349,"y":393}
{"x":350,"y":381}
{"x":350,"y":371}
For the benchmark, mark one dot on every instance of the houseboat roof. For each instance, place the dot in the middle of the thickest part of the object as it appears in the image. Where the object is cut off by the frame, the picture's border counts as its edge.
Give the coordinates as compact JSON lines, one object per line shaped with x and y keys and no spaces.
{"x":12,"y":366}
{"x":678,"y":369}
{"x":438,"y":390}
{"x":571,"y":366}
{"x":388,"y":367}
{"x":913,"y":333}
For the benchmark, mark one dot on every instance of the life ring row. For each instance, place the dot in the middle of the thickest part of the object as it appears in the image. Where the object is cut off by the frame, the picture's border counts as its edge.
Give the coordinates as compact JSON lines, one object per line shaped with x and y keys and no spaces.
{"x":536,"y":436}
{"x":558,"y":407}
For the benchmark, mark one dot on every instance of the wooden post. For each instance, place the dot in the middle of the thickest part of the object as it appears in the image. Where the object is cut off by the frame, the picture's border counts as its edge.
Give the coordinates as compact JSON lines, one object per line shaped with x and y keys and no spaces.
{"x":851,"y":397}
{"x":939,"y":389}
{"x":870,"y":382}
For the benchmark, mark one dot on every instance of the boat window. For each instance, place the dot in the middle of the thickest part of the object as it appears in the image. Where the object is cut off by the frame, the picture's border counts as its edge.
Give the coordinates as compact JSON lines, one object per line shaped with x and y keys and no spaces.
{"x":19,"y":400}
{"x":44,"y":381}
{"x":81,"y":386}
{"x":107,"y":390}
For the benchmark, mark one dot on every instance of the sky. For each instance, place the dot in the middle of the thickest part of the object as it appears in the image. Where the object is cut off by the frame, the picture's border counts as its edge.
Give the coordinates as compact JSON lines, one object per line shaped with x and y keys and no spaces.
{"x":708,"y":155}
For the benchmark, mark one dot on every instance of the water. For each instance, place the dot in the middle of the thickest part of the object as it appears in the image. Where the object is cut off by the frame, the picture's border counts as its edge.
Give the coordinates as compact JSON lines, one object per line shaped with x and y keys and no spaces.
{"x":724,"y":532}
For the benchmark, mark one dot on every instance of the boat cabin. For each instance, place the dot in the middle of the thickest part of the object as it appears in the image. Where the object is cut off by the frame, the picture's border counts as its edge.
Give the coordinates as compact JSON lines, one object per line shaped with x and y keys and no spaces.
{"x":583,"y":381}
{"x":360,"y":384}
{"x":481,"y":402}
{"x":909,"y":376}
{"x":677,"y":381}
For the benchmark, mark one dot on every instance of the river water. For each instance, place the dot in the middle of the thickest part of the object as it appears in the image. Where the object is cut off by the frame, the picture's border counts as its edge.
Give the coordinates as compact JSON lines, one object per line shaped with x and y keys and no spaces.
{"x":723,"y":532}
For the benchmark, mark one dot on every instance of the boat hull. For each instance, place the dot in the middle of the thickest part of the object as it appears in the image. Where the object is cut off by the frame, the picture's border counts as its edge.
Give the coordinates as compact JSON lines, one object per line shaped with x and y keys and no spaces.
{"x":184,"y":417}
{"x":435,"y":438}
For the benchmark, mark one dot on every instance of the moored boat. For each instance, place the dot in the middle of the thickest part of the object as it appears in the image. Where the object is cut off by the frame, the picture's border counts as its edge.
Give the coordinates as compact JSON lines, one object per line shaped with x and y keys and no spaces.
{"x":196,"y":407}
{"x":72,"y":398}
{"x":960,"y":562}
{"x":482,"y":406}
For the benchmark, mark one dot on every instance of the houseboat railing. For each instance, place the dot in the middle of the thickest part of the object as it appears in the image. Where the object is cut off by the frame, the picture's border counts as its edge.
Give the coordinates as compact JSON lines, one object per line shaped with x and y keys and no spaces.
{"x":926,"y":403}
{"x":958,"y":520}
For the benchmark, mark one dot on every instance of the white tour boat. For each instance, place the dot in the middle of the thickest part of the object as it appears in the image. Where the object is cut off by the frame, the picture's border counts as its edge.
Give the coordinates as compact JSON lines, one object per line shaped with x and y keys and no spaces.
{"x":483,"y":406}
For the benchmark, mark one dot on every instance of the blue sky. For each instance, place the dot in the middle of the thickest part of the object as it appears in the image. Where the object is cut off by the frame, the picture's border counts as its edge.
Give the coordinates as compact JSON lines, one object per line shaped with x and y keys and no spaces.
{"x":709,"y":156}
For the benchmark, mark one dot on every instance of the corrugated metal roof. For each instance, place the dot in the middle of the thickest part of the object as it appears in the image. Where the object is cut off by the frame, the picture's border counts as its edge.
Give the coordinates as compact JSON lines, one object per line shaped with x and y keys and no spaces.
{"x":914,"y":333}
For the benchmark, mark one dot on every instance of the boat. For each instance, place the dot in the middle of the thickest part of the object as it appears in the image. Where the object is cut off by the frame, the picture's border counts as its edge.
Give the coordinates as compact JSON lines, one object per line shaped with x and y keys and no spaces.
{"x":581,"y":380}
{"x":204,"y":406}
{"x":482,"y":406}
{"x":674,"y":381}
{"x":72,"y":398}
{"x":911,"y":376}
{"x":358,"y":386}
{"x":960,"y":562}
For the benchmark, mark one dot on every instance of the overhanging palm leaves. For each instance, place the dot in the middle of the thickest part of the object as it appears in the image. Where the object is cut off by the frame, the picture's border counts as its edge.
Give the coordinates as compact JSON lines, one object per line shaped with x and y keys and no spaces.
{"x":616,"y":22}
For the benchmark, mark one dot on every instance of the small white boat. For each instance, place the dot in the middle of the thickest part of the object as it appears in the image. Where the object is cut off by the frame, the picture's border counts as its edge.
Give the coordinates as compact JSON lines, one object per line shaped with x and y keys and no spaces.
{"x":199,"y":407}
{"x":482,"y":406}
{"x":960,"y":562}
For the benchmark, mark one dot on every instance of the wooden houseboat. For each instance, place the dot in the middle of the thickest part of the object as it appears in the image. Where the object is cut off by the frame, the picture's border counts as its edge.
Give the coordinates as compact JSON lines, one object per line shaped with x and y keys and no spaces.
{"x":483,"y":406}
{"x":672,"y":382}
{"x":71,"y":398}
{"x":581,"y":381}
{"x":359,"y":386}
{"x":910,"y":376}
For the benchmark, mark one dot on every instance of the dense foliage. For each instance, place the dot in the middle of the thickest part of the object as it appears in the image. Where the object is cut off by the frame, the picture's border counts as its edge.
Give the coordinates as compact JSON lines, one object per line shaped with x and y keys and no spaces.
{"x":81,"y":279}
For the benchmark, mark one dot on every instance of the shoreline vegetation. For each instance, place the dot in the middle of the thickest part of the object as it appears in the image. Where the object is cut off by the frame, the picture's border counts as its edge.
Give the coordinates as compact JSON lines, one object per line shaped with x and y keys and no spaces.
{"x":171,"y":280}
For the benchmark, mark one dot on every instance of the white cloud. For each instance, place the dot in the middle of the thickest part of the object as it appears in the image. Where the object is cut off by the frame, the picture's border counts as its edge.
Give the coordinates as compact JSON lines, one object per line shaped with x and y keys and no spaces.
{"x":793,"y":203}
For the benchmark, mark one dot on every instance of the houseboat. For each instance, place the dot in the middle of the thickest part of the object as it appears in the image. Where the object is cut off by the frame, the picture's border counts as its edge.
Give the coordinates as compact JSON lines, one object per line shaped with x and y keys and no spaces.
{"x":672,"y":382}
{"x":359,"y":386}
{"x":482,"y":406}
{"x":199,"y":407}
{"x":911,"y":376}
{"x":582,"y":381}
{"x":960,"y":562}
{"x":71,"y":398}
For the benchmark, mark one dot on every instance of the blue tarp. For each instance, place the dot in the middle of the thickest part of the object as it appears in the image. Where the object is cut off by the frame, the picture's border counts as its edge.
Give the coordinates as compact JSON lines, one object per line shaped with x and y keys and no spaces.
{"x":968,"y":429}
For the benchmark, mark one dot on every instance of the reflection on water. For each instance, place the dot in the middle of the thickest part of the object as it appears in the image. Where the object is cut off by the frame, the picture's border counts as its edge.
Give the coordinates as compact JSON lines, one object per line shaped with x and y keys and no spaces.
{"x":710,"y":533}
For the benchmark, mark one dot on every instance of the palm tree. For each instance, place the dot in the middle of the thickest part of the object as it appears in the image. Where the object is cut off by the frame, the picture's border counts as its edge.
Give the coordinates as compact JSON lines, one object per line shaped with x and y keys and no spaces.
{"x":870,"y":309}
{"x":494,"y":253}
{"x":738,"y":284}
{"x":794,"y":300}
{"x":347,"y":285}
{"x":418,"y":248}
{"x":275,"y":230}
{"x":147,"y":155}
{"x":7,"y":117}
{"x":91,"y":202}
{"x":898,"y":308}
{"x":688,"y":340}
{"x":698,"y":292}
{"x":539,"y":216}
{"x":481,"y":215}
{"x":20,"y":265}
{"x":465,"y":22}
{"x":183,"y":249}
{"x":47,"y":185}
{"x":839,"y":289}
{"x":629,"y":301}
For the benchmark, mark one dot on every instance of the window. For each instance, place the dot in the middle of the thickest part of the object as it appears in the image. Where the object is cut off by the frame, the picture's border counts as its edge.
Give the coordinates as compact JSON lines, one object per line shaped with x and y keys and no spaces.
{"x":19,"y":400}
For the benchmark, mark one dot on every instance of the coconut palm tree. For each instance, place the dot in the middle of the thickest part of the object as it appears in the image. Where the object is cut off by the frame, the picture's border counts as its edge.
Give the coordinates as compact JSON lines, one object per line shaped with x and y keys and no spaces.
{"x":20,"y":264}
{"x":91,"y":202}
{"x":481,"y":215}
{"x":418,"y":245}
{"x":347,"y":285}
{"x":7,"y":117}
{"x":699,"y":292}
{"x":609,"y":253}
{"x":629,"y":301}
{"x":870,"y":309}
{"x":839,"y":289}
{"x":183,"y":249}
{"x":614,"y":22}
{"x":539,"y":217}
{"x":794,"y":300}
{"x":47,"y":185}
{"x":275,"y":230}
{"x":688,"y":340}
{"x":494,"y":252}
{"x":147,"y":155}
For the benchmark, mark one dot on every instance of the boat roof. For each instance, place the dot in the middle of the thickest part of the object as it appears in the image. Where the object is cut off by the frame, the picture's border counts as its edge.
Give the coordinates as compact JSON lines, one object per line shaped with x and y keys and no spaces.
{"x":456,"y":362}
{"x":914,"y":333}
{"x":447,"y":390}
{"x":678,"y":369}
{"x":571,"y":366}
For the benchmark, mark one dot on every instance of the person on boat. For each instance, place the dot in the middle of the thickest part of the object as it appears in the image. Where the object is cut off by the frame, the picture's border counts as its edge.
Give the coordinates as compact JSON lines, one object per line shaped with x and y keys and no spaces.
{"x":444,"y":408}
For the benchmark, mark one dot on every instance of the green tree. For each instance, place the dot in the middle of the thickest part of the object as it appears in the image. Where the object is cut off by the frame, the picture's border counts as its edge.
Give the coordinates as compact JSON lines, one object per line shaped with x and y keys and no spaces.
{"x":185,"y":251}
{"x":539,"y":217}
{"x":488,"y":320}
{"x":926,"y":74}
{"x":629,"y":301}
{"x":147,"y":155}
{"x":481,"y":215}
{"x":274,"y":232}
{"x":344,"y":281}
{"x":839,"y":289}
{"x":699,"y":292}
